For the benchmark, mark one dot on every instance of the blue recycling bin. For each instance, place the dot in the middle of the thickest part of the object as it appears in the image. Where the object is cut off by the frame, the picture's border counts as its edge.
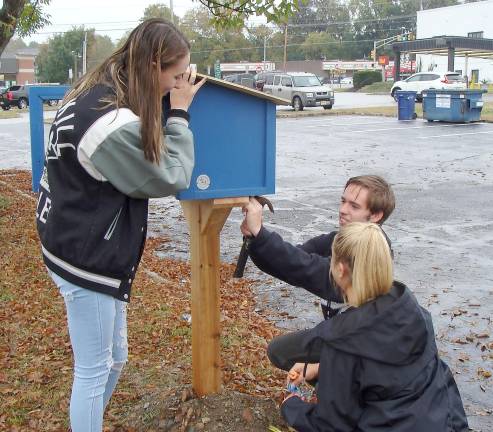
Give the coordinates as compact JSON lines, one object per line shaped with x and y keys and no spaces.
{"x":454,"y":106}
{"x":405,"y":105}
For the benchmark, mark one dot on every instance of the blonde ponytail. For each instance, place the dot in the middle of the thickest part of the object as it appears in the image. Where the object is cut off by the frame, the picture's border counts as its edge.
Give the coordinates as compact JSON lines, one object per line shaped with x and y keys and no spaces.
{"x":363,"y":247}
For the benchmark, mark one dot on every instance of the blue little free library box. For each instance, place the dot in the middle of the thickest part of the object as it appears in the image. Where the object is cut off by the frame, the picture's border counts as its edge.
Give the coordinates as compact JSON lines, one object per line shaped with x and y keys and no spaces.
{"x":234,"y":129}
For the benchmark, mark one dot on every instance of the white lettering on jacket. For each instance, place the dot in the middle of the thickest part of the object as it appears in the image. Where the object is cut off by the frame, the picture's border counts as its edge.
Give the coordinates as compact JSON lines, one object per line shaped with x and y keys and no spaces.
{"x":43,"y":215}
{"x":63,"y":122}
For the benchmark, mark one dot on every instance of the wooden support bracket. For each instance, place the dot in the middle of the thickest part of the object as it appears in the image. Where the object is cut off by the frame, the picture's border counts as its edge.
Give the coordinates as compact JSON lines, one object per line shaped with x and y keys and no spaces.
{"x":206,"y":219}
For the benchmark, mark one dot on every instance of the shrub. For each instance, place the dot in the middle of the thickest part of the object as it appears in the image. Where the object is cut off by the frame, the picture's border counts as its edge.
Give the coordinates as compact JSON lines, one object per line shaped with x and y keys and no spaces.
{"x":366,"y":77}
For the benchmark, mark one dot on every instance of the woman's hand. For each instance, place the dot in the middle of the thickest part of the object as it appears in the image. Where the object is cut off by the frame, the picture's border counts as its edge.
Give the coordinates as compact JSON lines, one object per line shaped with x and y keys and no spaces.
{"x":295,"y":374}
{"x":182,"y":95}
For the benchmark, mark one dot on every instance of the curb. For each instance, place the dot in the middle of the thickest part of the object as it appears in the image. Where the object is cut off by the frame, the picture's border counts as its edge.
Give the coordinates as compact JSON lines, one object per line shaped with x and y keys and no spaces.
{"x":294,"y":114}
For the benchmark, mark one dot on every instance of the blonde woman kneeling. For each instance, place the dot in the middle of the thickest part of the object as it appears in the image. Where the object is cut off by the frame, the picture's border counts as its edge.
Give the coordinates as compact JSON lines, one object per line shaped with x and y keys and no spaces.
{"x":379,"y":367}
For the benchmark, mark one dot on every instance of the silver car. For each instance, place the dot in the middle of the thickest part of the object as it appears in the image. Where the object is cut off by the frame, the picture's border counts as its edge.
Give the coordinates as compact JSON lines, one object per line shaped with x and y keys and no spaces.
{"x":301,"y":88}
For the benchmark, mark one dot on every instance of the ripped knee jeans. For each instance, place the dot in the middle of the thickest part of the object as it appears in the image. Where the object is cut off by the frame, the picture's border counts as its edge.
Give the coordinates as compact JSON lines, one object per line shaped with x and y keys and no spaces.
{"x":97,"y":326}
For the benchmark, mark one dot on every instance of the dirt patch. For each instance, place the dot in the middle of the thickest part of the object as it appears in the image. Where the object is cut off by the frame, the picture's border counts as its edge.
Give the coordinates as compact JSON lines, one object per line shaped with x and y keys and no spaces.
{"x":180,"y":410}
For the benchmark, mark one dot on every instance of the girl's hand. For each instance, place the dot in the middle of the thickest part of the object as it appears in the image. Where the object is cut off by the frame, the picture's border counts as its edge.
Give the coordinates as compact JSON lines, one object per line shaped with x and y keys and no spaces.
{"x":295,"y":375}
{"x":182,"y":95}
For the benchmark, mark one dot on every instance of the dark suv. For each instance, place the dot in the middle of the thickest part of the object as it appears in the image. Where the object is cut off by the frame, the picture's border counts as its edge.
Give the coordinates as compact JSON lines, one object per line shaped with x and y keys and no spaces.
{"x":244,"y":79}
{"x":18,"y":96}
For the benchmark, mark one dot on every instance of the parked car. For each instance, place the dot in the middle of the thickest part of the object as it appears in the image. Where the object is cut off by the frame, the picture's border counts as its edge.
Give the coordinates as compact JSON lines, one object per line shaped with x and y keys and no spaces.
{"x":429,"y":80}
{"x":347,"y":80}
{"x":301,"y":88}
{"x":326,"y":81}
{"x":261,"y":78}
{"x":244,"y":79}
{"x":18,"y":95}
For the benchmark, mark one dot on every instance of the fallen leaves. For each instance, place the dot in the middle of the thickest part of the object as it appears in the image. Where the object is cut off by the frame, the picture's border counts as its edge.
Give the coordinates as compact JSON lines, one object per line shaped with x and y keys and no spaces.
{"x":35,"y":353}
{"x":482,"y":373}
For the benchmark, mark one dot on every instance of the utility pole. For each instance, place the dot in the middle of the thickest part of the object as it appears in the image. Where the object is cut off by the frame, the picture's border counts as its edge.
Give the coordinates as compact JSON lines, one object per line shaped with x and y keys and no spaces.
{"x":171,"y":9}
{"x":84,"y":54}
{"x":265,"y":48}
{"x":266,"y":38}
{"x":75,"y":67}
{"x":285,"y":45}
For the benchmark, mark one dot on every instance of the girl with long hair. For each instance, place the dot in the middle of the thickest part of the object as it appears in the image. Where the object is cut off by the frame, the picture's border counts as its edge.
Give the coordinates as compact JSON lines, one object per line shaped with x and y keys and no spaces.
{"x":120,"y":137}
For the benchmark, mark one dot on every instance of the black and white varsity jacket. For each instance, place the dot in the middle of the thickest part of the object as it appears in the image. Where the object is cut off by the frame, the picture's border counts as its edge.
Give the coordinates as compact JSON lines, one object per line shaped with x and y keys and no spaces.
{"x":93,"y":200}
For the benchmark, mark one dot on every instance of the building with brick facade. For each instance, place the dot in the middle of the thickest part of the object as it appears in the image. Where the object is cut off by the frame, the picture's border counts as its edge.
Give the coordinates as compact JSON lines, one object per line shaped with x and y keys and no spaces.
{"x":18,"y":67}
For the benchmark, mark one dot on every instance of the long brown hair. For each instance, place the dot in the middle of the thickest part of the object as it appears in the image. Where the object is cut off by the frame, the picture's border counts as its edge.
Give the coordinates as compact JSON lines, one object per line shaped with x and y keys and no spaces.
{"x":132,"y":73}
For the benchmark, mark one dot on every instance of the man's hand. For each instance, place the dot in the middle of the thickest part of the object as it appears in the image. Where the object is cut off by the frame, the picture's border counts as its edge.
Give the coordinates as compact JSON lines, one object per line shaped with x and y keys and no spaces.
{"x":253,"y":218}
{"x":181,"y":97}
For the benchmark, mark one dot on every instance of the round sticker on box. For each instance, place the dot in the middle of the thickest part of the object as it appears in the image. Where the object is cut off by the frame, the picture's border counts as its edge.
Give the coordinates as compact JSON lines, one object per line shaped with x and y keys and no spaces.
{"x":203,"y":182}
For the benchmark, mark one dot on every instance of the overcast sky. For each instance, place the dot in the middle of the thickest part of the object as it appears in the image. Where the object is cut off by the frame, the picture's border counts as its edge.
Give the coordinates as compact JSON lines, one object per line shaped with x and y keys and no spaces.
{"x":108,"y":17}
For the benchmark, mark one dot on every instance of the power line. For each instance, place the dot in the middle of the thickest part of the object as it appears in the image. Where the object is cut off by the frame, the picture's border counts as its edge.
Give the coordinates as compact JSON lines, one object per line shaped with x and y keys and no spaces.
{"x":335,"y":23}
{"x":341,"y":42}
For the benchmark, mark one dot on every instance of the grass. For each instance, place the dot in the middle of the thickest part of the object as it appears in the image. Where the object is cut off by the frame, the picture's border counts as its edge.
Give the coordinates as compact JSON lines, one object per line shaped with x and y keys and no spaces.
{"x":15,"y":112}
{"x":377,"y":88}
{"x":387,"y":111}
{"x":4,"y":202}
{"x":342,"y":89}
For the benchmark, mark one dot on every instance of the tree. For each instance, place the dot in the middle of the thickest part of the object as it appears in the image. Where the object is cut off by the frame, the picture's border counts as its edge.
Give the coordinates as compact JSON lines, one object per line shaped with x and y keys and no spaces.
{"x":233,"y":13}
{"x":320,"y":46}
{"x":63,"y":52}
{"x":23,"y":17}
{"x":159,"y":11}
{"x":99,"y":48}
{"x":210,"y":44}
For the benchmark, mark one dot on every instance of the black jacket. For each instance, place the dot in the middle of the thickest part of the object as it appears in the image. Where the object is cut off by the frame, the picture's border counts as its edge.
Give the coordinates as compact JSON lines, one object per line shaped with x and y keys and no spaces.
{"x":93,"y":200}
{"x":306,"y":265}
{"x":380,"y":371}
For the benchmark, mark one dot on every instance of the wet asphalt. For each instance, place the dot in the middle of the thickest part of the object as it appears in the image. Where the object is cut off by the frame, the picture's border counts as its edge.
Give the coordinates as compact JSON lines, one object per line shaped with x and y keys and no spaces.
{"x":441,"y":230}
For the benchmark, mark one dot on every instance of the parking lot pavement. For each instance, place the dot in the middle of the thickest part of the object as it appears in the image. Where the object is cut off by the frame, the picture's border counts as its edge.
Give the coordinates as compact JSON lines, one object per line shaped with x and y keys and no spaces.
{"x":441,"y":230}
{"x":344,"y":100}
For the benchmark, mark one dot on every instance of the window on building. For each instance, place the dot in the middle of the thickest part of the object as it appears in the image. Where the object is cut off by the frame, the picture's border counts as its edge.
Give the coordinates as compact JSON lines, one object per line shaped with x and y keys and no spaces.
{"x":476,"y":35}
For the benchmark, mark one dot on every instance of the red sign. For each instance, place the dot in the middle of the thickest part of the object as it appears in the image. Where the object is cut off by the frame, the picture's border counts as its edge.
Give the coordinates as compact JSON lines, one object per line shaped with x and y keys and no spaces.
{"x":383,"y":60}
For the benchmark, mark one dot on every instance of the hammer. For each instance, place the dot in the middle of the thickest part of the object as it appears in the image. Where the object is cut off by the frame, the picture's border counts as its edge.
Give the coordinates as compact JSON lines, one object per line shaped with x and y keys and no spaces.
{"x":243,"y":257}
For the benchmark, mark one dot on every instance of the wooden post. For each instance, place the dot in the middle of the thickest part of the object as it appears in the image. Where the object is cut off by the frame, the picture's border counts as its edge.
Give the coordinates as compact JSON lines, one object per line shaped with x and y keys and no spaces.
{"x":206,"y":219}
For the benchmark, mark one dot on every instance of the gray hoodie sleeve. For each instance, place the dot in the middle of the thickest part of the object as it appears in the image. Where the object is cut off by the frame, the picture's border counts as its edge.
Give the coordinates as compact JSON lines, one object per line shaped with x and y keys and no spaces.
{"x":111,"y":151}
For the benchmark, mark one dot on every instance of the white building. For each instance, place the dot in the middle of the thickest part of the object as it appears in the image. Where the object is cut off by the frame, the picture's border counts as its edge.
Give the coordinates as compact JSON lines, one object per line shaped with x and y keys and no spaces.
{"x":467,"y":20}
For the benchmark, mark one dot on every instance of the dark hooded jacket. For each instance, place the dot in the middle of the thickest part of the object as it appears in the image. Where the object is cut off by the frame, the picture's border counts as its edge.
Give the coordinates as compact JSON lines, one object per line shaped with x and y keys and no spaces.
{"x":380,"y":371}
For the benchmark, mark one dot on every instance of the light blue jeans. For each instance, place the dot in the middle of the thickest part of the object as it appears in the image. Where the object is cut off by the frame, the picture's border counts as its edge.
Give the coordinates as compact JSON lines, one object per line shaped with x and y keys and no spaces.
{"x":97,"y":325}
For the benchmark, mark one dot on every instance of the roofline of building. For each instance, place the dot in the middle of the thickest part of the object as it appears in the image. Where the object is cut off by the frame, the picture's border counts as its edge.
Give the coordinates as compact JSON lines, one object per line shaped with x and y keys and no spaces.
{"x":462,"y":45}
